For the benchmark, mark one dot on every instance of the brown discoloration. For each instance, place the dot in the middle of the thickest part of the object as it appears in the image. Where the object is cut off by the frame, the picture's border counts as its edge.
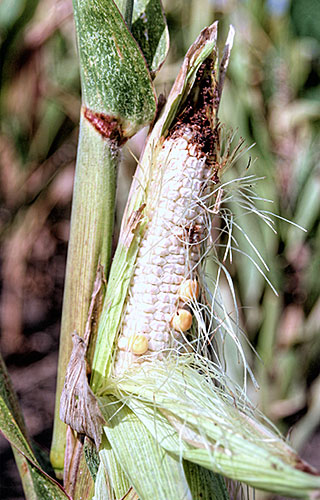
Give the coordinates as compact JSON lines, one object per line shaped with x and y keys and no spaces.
{"x":132,"y":225}
{"x":78,"y":405}
{"x":117,"y":48}
{"x":74,"y":447}
{"x":95,"y":309}
{"x":217,"y":203}
{"x":192,"y":234}
{"x":305,"y":467}
{"x":200,"y":115}
{"x":24,"y":468}
{"x":107,"y":126}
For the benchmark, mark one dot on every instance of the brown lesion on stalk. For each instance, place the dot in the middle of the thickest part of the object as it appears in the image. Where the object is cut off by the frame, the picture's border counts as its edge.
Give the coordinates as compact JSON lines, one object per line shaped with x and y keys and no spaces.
{"x":199,"y":115}
{"x":107,"y":126}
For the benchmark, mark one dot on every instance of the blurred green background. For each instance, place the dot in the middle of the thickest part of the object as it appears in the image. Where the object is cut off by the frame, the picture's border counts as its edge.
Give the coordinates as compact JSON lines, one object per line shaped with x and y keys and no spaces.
{"x":271,"y":96}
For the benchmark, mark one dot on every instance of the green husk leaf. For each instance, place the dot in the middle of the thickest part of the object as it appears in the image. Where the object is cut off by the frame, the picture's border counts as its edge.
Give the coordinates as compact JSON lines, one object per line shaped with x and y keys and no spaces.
{"x":118,"y":283}
{"x":92,"y":458}
{"x":102,"y":486}
{"x":198,"y":52}
{"x":152,"y":472}
{"x":213,"y":426}
{"x":115,"y":78}
{"x":116,"y":475}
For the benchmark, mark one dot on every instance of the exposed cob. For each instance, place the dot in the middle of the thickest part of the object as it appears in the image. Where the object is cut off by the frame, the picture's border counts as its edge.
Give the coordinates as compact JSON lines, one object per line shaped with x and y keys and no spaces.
{"x":156,"y":315}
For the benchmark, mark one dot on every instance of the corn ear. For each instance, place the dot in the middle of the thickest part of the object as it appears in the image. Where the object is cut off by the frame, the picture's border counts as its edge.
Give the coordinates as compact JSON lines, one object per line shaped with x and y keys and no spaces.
{"x":132,"y":231}
{"x":186,"y":403}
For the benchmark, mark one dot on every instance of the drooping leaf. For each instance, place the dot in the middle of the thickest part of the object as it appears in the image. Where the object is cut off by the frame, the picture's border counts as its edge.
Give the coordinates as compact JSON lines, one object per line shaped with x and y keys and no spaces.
{"x":37,"y":484}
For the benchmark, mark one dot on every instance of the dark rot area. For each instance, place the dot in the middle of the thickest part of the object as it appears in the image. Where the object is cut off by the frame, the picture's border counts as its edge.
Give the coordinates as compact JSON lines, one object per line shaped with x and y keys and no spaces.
{"x":199,"y":111}
{"x":199,"y":115}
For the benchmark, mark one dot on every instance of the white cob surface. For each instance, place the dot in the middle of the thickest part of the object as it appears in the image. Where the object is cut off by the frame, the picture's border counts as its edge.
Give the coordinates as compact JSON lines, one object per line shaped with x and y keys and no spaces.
{"x":168,"y":254}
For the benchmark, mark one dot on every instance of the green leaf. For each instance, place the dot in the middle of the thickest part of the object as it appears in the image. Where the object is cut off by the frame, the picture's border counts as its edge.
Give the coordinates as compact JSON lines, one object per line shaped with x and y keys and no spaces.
{"x":9,"y":397}
{"x":36,"y":482}
{"x":126,"y":9}
{"x":149,"y":28}
{"x":114,"y":75}
{"x":204,"y":483}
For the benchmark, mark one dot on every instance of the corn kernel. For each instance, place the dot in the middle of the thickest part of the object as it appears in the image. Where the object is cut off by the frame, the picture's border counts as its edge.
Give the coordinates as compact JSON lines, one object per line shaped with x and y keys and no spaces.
{"x":138,"y":344}
{"x":182,"y":320}
{"x":189,"y":289}
{"x":164,"y":255}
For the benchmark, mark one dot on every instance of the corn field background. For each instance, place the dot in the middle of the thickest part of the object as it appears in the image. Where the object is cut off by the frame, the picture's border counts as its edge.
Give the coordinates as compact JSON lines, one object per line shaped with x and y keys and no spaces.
{"x":271,"y":96}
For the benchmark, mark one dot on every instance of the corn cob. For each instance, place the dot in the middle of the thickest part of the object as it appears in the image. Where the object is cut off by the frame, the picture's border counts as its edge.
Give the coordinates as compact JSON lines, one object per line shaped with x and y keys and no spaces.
{"x":156,"y":315}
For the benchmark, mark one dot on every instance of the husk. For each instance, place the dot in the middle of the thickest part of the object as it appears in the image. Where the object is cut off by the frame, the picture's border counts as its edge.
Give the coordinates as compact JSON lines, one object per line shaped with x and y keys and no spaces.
{"x":193,"y":413}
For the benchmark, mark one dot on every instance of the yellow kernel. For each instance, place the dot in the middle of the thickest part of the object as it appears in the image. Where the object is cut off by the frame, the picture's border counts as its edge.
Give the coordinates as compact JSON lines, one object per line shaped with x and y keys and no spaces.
{"x":182,"y":320}
{"x":138,"y":344}
{"x":189,"y":289}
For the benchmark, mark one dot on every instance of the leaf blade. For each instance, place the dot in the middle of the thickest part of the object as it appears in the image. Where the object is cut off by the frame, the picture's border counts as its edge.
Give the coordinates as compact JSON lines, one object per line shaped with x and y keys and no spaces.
{"x":114,"y":75}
